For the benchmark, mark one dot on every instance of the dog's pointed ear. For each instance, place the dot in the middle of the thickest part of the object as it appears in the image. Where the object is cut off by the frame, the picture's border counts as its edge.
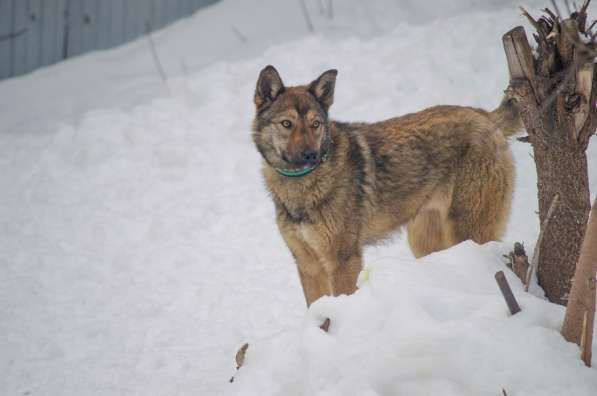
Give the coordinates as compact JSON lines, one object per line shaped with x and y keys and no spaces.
{"x":269,"y":86}
{"x":323,"y":88}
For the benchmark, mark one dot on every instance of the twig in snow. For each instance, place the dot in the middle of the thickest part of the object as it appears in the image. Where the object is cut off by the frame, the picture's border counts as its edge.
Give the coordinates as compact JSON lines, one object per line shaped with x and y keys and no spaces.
{"x":306,"y":15}
{"x":552,"y":208}
{"x":502,"y":282}
{"x":185,"y":69}
{"x":154,"y":53}
{"x":325,"y":326}
{"x":321,"y":8}
{"x":239,"y":35}
{"x":330,"y":9}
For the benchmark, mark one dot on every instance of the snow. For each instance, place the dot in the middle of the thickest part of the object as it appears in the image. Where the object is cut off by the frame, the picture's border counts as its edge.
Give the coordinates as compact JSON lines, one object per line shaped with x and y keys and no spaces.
{"x":138,"y":247}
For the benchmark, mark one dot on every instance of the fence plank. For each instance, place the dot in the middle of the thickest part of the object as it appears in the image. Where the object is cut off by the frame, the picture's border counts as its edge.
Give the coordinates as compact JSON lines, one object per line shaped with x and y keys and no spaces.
{"x":75,"y":28}
{"x":6,"y":31}
{"x":128,"y":21}
{"x":61,"y":18}
{"x":90,"y":25}
{"x":19,"y":53}
{"x":156,"y":14}
{"x":180,"y":8}
{"x":48,"y":27}
{"x":34,"y":11}
{"x":116,"y":22}
{"x":104,"y":24}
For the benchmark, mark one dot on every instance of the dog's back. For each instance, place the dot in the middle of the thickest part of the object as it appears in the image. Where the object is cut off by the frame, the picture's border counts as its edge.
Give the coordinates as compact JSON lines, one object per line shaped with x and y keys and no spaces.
{"x":447,"y":171}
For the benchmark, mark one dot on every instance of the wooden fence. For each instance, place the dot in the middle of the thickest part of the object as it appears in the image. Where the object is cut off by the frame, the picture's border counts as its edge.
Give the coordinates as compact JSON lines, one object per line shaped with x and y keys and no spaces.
{"x":35,"y":33}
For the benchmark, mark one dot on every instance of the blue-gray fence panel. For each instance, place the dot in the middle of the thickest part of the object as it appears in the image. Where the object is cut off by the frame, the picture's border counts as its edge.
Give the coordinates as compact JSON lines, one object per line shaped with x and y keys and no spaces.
{"x":35,"y":33}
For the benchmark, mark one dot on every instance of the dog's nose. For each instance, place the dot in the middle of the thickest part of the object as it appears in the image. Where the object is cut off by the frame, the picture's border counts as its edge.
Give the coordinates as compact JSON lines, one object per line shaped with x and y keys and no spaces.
{"x":310,"y":156}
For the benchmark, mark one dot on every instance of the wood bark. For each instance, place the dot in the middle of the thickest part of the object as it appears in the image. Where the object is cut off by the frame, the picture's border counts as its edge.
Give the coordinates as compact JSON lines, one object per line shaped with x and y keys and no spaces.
{"x":554,"y":89}
{"x":580,"y":312}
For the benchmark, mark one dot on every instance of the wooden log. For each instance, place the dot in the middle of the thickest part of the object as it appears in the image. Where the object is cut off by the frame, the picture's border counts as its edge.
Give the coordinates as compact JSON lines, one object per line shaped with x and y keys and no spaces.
{"x":502,"y":282}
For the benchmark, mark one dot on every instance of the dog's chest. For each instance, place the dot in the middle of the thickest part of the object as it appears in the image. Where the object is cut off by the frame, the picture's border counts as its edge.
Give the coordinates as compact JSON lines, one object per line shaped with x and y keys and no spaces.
{"x":314,"y":236}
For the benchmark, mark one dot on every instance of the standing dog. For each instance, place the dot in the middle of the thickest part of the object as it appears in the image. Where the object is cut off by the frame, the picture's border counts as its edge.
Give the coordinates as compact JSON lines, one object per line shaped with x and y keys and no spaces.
{"x":445,"y":172}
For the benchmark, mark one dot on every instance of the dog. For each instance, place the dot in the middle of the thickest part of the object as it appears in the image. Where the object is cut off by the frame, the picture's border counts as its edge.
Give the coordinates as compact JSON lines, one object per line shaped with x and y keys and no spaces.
{"x":446,"y":173}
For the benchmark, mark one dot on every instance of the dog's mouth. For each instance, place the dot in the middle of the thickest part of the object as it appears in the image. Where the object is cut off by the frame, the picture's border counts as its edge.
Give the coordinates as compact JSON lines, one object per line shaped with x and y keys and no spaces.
{"x":297,"y":165}
{"x":299,"y":168}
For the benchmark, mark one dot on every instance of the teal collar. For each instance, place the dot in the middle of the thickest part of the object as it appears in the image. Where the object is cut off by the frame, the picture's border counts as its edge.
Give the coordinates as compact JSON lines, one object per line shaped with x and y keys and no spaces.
{"x":302,"y":171}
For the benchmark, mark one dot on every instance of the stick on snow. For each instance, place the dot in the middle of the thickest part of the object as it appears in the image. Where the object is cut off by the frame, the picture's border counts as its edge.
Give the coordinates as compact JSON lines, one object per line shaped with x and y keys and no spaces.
{"x":502,"y":282}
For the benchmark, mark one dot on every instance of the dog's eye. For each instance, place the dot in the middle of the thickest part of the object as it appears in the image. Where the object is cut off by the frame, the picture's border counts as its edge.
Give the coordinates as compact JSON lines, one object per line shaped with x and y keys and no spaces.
{"x":286,"y":124}
{"x":316,"y":124}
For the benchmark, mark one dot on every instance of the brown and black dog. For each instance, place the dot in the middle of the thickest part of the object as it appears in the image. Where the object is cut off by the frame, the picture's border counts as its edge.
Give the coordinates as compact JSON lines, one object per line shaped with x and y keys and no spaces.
{"x":445,"y":172}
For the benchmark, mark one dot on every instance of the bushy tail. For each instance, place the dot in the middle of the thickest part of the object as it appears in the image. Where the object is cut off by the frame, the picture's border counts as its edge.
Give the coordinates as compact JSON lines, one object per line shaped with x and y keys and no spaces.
{"x":507,"y":118}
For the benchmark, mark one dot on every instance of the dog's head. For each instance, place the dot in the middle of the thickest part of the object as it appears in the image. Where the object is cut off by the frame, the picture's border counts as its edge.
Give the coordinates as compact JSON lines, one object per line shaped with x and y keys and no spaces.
{"x":291,"y":128}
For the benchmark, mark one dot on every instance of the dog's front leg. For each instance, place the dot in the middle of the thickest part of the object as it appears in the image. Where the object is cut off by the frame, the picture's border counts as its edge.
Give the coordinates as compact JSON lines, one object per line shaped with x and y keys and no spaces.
{"x":324,"y":268}
{"x":313,"y":278}
{"x":329,"y":275}
{"x":315,"y":284}
{"x":343,"y":279}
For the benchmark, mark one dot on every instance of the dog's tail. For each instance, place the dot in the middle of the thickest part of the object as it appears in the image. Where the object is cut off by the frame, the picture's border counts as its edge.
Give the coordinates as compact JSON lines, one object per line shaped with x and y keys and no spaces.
{"x":507,"y":117}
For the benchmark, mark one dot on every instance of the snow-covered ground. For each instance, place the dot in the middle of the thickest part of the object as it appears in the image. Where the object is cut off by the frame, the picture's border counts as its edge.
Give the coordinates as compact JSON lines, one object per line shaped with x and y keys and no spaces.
{"x":138,"y":248}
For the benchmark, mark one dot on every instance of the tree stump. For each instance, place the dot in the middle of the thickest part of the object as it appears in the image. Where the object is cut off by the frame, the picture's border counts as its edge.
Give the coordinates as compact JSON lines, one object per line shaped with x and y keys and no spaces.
{"x":554,"y":89}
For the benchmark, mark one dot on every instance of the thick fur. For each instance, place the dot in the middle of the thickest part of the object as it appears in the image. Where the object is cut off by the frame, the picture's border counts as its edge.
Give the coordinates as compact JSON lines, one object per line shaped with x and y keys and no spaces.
{"x":446,"y":173}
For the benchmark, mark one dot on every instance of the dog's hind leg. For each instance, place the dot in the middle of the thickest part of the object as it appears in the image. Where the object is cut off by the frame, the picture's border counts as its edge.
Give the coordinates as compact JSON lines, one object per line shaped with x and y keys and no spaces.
{"x":482,"y":201}
{"x":431,"y":229}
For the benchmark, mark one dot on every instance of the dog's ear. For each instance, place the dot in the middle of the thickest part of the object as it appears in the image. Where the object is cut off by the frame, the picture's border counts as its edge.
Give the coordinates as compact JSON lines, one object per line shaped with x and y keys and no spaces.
{"x":269,"y":86}
{"x":323,"y":88}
